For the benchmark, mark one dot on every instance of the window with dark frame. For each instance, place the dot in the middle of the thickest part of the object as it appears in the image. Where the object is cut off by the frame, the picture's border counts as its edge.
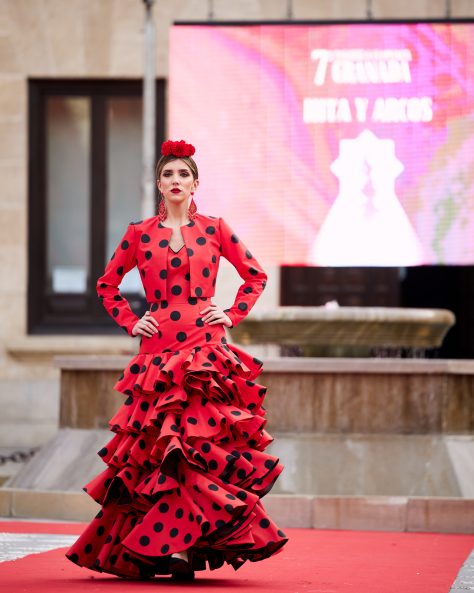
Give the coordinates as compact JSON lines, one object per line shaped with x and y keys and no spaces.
{"x":84,"y":187}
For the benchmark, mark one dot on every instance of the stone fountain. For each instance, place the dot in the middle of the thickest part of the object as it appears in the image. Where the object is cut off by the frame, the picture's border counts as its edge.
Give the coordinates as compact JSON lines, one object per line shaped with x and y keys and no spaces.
{"x":345,"y":331}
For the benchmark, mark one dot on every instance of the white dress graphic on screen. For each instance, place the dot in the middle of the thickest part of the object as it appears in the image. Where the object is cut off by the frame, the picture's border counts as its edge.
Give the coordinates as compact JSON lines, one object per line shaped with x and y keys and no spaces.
{"x":366,"y":225}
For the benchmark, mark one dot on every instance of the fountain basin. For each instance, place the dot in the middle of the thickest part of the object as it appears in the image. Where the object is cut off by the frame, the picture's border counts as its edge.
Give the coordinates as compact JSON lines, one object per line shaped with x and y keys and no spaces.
{"x":346,"y":326}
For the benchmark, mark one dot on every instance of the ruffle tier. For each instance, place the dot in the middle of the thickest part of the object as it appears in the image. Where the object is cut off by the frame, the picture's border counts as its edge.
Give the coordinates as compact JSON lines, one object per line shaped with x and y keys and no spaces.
{"x":186,"y":467}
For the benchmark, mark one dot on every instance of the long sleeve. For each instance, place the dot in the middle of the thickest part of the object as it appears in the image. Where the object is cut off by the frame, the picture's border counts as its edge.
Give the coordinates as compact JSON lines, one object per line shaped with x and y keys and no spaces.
{"x":249,"y":270}
{"x":122,"y":261}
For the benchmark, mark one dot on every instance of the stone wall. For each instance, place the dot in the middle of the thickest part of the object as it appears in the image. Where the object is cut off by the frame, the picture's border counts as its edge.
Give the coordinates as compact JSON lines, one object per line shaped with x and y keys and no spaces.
{"x":86,"y":38}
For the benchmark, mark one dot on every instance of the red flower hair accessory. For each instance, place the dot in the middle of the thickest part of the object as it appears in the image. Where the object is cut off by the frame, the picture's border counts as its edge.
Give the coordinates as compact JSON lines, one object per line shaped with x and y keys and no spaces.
{"x":177,"y":148}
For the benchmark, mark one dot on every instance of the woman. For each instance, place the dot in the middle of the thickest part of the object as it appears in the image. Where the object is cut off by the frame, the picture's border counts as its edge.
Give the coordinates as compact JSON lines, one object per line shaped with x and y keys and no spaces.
{"x":186,"y":468}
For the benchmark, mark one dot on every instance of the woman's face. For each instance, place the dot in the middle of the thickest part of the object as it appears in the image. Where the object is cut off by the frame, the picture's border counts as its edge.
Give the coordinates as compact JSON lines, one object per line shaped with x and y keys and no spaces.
{"x":176,"y":182}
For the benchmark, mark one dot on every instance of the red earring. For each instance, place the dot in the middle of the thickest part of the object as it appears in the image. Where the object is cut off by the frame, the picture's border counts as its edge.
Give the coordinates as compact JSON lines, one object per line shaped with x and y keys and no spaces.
{"x":162,"y":210}
{"x":192,"y":208}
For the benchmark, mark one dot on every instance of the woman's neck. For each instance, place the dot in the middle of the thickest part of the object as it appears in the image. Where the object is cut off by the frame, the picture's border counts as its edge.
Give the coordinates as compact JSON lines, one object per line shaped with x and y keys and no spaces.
{"x":177,"y":215}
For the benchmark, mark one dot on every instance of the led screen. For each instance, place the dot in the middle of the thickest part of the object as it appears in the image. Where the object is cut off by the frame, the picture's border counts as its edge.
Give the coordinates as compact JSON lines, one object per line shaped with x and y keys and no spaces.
{"x":332,"y":145}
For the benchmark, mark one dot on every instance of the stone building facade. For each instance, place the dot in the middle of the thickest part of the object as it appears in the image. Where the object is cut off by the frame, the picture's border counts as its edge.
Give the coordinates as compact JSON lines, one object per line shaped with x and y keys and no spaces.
{"x":53,"y":40}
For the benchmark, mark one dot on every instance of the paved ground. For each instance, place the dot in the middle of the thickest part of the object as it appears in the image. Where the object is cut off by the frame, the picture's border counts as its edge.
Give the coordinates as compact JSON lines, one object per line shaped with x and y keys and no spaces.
{"x":465,"y":578}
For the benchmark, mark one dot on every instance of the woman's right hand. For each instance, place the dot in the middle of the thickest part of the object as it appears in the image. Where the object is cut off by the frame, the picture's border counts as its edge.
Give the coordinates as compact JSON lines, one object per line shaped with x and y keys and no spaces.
{"x":146,"y":325}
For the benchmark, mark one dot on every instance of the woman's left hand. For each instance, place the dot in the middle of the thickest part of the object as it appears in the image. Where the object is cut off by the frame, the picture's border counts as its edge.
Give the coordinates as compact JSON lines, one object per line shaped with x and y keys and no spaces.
{"x":214,"y":314}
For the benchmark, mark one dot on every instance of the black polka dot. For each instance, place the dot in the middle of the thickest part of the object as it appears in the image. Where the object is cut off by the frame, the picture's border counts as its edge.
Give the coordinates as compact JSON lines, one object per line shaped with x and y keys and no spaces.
{"x":211,"y":422}
{"x":158,"y":527}
{"x":213,"y":464}
{"x":174,"y":532}
{"x":281,"y":533}
{"x":187,"y":538}
{"x":103,"y":452}
{"x":181,"y":336}
{"x":163,"y":243}
{"x":210,"y":230}
{"x":144,"y":540}
{"x":264,"y":523}
{"x":190,"y":251}
{"x":144,"y":406}
{"x":213,"y":487}
{"x":175,"y":262}
{"x":145,"y":238}
{"x":234,"y":238}
{"x":164,"y":549}
{"x":120,"y":270}
{"x":205,"y":526}
{"x":157,"y":360}
{"x":192,"y":300}
{"x":142,"y":444}
{"x":158,"y":294}
{"x":192,"y":420}
{"x":243,"y":306}
{"x":148,"y":254}
{"x":75,"y":557}
{"x":199,"y":322}
{"x":125,"y":244}
{"x":163,"y":274}
{"x":248,"y":289}
{"x":179,"y":513}
{"x":176,"y":289}
{"x":206,"y":447}
{"x":175,"y":315}
{"x":253,"y":271}
{"x":248,"y":254}
{"x":100,"y":530}
{"x":242,"y":495}
{"x":201,"y":240}
{"x":205,"y":272}
{"x":164,"y":507}
{"x":88,"y":549}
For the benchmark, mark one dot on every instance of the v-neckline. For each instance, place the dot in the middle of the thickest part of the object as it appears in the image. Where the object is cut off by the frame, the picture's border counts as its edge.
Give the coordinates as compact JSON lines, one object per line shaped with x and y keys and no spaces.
{"x":178,"y":249}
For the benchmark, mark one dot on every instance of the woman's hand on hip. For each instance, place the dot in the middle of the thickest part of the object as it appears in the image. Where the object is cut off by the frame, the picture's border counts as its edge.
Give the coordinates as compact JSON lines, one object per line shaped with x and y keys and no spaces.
{"x":146,"y":325}
{"x":214,"y":314}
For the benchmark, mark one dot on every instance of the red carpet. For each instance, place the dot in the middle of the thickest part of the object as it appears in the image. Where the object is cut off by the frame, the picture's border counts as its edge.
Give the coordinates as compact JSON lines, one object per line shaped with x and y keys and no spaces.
{"x":313,"y":561}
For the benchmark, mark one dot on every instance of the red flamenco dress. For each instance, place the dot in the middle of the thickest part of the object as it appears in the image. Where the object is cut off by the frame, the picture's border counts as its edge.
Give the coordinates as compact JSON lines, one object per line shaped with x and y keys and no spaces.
{"x":186,"y":467}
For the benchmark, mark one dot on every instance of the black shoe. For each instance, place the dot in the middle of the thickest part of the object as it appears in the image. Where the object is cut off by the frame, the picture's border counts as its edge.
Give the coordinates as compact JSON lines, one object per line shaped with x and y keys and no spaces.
{"x":180,"y":569}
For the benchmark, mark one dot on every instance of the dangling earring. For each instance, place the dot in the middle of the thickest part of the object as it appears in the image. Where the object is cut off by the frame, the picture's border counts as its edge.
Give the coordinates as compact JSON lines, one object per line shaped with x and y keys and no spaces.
{"x":192,"y":208}
{"x":162,"y":210}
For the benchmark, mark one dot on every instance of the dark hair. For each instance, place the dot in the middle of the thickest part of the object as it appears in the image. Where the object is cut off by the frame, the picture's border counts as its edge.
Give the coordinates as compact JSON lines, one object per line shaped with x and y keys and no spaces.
{"x":164,"y":160}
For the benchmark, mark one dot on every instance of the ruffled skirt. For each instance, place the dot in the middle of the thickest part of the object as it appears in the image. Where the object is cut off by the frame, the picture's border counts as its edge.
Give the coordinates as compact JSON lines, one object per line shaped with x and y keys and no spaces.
{"x":186,"y":467}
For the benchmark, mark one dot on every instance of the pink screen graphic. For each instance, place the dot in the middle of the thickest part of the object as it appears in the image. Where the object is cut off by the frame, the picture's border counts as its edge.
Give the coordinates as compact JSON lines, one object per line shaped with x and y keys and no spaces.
{"x":332,"y":145}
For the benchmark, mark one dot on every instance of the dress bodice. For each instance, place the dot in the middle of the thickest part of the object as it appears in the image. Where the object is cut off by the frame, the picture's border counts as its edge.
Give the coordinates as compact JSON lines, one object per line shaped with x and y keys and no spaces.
{"x":178,"y":275}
